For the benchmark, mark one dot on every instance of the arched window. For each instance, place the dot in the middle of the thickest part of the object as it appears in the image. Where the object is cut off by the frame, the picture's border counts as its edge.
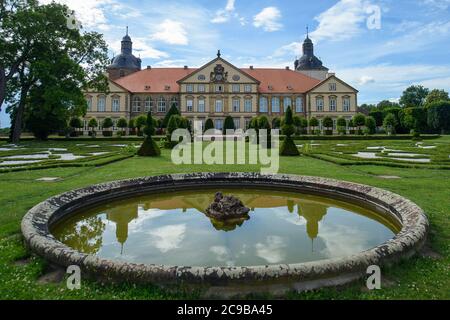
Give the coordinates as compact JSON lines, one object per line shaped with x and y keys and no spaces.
{"x":333,"y":104}
{"x":161,"y":105}
{"x":346,"y":103}
{"x":136,"y":104}
{"x":101,"y":104}
{"x":276,"y":105}
{"x":115,"y":104}
{"x":287,"y":102}
{"x":319,"y":103}
{"x":148,"y":104}
{"x":174,"y":101}
{"x":89,"y":103}
{"x":299,"y":105}
{"x":263,"y":105}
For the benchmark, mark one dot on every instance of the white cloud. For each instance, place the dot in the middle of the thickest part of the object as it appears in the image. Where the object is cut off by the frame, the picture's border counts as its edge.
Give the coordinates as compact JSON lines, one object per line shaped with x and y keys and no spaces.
{"x":437,"y":4}
{"x":140,"y":48}
{"x":273,"y":250}
{"x":344,"y":20}
{"x":90,"y":13}
{"x":171,"y":63}
{"x":224,"y":15}
{"x":171,"y":32}
{"x":365,"y":80}
{"x":268,"y":19}
{"x":168,"y":238}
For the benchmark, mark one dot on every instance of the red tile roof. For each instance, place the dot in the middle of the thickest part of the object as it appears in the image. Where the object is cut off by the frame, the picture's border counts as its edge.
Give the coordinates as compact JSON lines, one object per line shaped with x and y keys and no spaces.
{"x":156,"y":78}
{"x":272,"y":80}
{"x":281,"y":80}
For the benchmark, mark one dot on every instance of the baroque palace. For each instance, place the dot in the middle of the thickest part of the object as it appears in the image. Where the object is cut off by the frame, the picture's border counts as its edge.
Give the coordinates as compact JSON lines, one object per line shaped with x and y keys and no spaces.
{"x":220,"y":89}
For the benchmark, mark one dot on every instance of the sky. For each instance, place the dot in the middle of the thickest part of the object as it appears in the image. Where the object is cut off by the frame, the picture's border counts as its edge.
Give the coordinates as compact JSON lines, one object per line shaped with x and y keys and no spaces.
{"x":378,"y":46}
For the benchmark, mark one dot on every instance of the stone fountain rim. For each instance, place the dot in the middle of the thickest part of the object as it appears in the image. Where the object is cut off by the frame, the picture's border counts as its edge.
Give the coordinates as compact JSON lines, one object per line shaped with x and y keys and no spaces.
{"x":37,"y":222}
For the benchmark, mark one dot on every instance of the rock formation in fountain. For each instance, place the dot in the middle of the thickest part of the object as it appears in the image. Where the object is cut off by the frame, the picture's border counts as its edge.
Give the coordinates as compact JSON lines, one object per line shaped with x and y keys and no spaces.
{"x":227,"y":208}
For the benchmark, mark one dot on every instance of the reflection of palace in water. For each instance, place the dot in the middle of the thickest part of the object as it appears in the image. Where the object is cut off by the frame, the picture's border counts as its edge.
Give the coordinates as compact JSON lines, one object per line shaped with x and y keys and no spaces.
{"x":312,"y":211}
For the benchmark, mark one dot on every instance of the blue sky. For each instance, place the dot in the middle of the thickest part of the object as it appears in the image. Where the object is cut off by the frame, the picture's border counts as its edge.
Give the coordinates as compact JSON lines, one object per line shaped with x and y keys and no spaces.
{"x":409,"y":44}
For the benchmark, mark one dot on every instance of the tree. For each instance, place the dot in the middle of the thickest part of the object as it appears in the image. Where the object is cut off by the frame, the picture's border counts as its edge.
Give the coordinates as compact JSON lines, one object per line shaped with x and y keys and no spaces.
{"x":371,"y":125}
{"x":122,"y":124}
{"x":276,"y":122}
{"x":313,"y":123}
{"x":435,"y":96}
{"x":288,"y":147}
{"x":131,"y":124}
{"x":396,"y":112}
{"x":439,"y":116}
{"x":149,"y":148}
{"x":359,"y":121}
{"x":387,"y":104}
{"x":341,"y":125}
{"x":414,"y":96}
{"x":93,"y":124}
{"x":107,"y":124}
{"x":75,"y":124}
{"x":366,"y":108}
{"x":389,"y":123}
{"x":414,"y":119}
{"x":172,"y":112}
{"x":209,"y":124}
{"x":378,"y":116}
{"x":228,"y":124}
{"x":139,"y":123}
{"x":327,"y":124}
{"x":41,"y":54}
{"x":351,"y":126}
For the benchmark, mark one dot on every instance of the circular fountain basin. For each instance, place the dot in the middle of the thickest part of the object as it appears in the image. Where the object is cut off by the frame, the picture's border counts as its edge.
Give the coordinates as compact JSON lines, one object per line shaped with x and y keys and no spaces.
{"x":302,"y":232}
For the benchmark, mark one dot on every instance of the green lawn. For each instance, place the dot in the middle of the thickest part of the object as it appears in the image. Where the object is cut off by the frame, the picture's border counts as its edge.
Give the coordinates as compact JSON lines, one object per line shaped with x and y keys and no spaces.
{"x":419,"y":278}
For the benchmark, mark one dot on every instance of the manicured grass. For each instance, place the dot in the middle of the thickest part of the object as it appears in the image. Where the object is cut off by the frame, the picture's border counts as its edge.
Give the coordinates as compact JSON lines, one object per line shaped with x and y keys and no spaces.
{"x":419,"y":278}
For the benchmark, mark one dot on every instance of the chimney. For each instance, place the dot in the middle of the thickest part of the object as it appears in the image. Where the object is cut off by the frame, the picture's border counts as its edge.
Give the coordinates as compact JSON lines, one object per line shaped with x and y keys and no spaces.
{"x":149,"y":67}
{"x":251,"y":67}
{"x":330,"y":74}
{"x":185,"y":67}
{"x":287,"y":68}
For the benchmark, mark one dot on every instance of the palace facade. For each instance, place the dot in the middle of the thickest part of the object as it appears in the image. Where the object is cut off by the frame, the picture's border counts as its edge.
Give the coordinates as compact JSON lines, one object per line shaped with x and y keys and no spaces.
{"x":220,"y":89}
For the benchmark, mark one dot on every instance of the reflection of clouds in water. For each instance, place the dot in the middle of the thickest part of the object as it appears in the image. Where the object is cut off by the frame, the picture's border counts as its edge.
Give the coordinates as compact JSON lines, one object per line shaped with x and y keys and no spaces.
{"x":273,"y":250}
{"x":342,"y":240}
{"x":293,"y":218}
{"x":143,"y":216}
{"x":169,"y":237}
{"x":222,"y":254}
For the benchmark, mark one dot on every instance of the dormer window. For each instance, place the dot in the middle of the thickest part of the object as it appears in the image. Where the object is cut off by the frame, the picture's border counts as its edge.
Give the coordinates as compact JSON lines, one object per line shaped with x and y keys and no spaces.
{"x":147,"y":88}
{"x":167,"y":87}
{"x":332,"y":86}
{"x":270,"y":87}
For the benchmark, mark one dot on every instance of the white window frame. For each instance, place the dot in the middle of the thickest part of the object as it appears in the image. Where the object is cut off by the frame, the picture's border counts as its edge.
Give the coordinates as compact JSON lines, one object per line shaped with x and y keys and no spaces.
{"x":333,"y":104}
{"x":218,"y":106}
{"x":201,"y":105}
{"x":115,"y":104}
{"x":189,"y":105}
{"x":346,"y":104}
{"x":299,"y":105}
{"x":148,"y":104}
{"x":248,"y":105}
{"x":101,"y":104}
{"x":236,"y":105}
{"x":236,"y":88}
{"x":263,"y":105}
{"x":248,"y":88}
{"x":285,"y":104}
{"x":319,"y":104}
{"x":276,"y":105}
{"x":162,"y":105}
{"x":201,"y":88}
{"x":190,"y":88}
{"x":332,"y":86}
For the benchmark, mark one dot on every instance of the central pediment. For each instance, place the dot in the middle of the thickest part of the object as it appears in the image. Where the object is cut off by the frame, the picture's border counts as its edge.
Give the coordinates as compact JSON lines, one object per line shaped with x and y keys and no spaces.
{"x":219,"y":71}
